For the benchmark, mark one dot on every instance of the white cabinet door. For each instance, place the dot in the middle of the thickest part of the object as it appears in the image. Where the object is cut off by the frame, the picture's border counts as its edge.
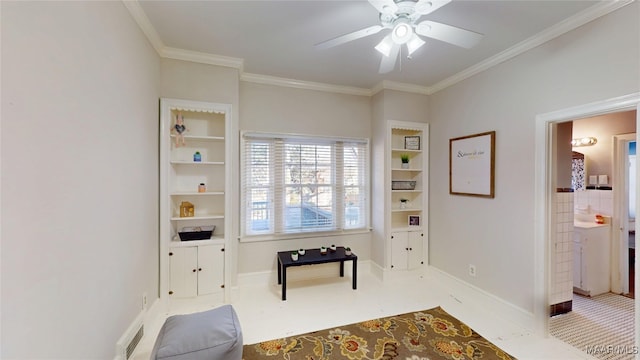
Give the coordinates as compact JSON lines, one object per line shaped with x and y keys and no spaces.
{"x":577,"y":262}
{"x":183,"y":262}
{"x":210,"y":269}
{"x":196,"y":270}
{"x":415,"y":252}
{"x":399,"y":249}
{"x":407,"y":249}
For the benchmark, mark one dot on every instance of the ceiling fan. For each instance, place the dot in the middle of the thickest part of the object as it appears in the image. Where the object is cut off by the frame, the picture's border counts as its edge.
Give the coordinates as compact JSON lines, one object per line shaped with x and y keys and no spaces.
{"x":401,"y":16}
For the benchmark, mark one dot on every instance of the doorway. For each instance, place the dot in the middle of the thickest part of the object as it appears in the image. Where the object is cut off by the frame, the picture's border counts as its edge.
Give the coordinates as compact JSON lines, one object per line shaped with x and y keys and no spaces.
{"x":544,"y":192}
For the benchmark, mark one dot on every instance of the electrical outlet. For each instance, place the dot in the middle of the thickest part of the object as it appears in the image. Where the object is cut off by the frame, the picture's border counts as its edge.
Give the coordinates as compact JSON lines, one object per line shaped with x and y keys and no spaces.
{"x":144,"y":301}
{"x":472,"y":270}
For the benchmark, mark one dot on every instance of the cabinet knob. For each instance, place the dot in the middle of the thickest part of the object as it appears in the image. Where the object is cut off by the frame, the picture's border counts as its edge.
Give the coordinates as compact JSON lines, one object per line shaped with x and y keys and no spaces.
{"x":406,"y":249}
{"x":170,"y":254}
{"x":411,"y":249}
{"x":222,"y":286}
{"x":422,"y":234}
{"x":194,"y":270}
{"x":170,"y":292}
{"x":392,"y":236}
{"x":199,"y":269}
{"x":222,"y":249}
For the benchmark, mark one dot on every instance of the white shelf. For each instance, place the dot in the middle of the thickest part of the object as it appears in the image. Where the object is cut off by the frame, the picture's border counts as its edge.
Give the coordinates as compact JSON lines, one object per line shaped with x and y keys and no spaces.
{"x":407,"y":228}
{"x":406,"y":170}
{"x":195,"y":193}
{"x":214,"y":240}
{"x":200,"y":138}
{"x":203,"y":217}
{"x":175,"y":162}
{"x":406,"y":210}
{"x":407,"y":245}
{"x":406,"y":150}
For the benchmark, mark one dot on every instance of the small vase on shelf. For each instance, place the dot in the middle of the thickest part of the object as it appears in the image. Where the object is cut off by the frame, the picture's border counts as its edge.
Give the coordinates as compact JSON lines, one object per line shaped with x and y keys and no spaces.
{"x":294,"y":255}
{"x":347,"y":251}
{"x":405,"y":161}
{"x":323,"y":250}
{"x":301,"y":252}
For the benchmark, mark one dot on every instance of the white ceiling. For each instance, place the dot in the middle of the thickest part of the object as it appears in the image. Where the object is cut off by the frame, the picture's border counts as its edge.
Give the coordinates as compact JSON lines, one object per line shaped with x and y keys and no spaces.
{"x":276,"y":38}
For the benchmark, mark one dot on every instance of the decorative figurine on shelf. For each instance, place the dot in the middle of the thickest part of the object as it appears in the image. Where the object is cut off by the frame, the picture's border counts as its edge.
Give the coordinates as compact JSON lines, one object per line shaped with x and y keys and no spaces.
{"x":179,"y":128}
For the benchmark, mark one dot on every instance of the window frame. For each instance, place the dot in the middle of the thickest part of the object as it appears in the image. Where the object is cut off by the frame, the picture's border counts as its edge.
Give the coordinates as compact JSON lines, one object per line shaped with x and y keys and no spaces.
{"x":276,"y":203}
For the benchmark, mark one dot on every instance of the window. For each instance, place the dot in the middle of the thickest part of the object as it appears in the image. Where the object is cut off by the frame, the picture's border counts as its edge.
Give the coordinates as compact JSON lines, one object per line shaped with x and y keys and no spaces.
{"x":296,"y":184}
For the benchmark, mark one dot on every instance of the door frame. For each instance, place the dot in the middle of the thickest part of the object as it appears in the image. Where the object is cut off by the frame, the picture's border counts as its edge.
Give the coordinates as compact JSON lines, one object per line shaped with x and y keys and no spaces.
{"x":620,"y":228}
{"x":544,"y":191}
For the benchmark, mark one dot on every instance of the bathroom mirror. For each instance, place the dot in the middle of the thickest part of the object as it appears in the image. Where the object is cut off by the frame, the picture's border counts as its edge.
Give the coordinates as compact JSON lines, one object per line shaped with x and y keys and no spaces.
{"x":578,"y":171}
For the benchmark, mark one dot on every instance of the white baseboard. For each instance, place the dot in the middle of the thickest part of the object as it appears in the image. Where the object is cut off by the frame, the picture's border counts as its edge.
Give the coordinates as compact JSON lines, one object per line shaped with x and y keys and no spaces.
{"x":466,"y":293}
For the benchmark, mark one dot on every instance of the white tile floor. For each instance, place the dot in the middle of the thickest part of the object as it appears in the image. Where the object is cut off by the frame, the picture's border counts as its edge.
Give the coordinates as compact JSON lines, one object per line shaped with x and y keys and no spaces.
{"x":606,"y":319}
{"x":323,"y":303}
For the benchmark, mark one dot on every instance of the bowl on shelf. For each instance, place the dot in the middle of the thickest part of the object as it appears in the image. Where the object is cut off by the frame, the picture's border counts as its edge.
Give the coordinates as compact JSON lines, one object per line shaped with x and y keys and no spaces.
{"x":188,"y":233}
{"x":403,"y":185}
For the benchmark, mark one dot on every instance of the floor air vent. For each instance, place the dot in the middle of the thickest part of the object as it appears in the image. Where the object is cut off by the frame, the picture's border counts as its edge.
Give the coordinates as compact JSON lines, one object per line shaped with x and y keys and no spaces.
{"x":131,"y":338}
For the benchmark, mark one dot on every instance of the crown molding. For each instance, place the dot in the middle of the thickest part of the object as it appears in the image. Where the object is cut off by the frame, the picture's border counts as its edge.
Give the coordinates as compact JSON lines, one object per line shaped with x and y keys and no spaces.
{"x":405,"y":87}
{"x":145,"y":25}
{"x":203,"y":58}
{"x":300,"y":84}
{"x":571,"y":23}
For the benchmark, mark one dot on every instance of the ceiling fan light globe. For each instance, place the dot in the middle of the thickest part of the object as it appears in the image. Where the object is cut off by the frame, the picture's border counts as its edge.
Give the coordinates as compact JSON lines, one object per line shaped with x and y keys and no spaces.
{"x":414,"y":44}
{"x":401,"y":33}
{"x":384,"y":47}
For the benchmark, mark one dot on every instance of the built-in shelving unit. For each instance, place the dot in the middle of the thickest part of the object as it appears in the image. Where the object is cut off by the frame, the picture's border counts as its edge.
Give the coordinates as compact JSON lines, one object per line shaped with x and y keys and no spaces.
{"x":407,"y":215}
{"x":193,"y":268}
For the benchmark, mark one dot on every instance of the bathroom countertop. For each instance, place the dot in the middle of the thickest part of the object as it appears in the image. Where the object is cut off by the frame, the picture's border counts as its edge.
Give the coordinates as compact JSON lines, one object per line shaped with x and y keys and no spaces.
{"x":587,"y":224}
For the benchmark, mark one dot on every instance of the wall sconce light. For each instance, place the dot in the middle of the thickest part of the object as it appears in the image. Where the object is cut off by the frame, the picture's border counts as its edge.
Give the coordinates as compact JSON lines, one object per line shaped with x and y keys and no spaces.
{"x":585,"y":141}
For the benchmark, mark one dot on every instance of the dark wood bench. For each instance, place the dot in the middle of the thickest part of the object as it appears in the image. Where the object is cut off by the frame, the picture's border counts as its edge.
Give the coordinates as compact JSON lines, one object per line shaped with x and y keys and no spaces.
{"x":312,"y":257}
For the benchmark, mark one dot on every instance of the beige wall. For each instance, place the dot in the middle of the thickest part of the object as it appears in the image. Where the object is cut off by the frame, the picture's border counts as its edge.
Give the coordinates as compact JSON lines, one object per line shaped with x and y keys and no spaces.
{"x":294,"y":111}
{"x":80,"y":88}
{"x":497,"y":235}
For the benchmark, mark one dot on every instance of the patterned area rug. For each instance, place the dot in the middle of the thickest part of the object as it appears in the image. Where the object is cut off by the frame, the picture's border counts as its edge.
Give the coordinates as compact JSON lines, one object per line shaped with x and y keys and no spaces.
{"x":424,"y":335}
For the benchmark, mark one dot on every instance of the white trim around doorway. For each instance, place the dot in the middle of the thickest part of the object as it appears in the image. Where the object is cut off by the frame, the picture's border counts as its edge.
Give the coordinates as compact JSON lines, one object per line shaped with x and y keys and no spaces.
{"x":544,"y":192}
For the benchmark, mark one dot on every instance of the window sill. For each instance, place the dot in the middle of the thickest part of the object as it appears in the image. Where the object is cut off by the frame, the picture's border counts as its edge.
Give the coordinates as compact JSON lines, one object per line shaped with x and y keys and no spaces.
{"x":272,"y":237}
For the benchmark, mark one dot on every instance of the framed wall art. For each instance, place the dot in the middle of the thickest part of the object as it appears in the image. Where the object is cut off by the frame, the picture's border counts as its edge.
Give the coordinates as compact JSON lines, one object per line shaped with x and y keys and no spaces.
{"x":414,"y":220}
{"x":412,"y":142}
{"x":472,"y":165}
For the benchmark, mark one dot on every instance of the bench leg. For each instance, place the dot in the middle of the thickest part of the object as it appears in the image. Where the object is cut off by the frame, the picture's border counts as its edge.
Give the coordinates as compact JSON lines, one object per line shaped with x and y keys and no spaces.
{"x":284,"y":283}
{"x":279,"y":272}
{"x":341,"y":268}
{"x":355,"y":273}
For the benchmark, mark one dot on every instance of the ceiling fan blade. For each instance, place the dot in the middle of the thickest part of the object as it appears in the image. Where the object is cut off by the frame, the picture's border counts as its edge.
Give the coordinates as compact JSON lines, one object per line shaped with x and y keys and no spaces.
{"x":424,"y":7}
{"x":384,"y":6}
{"x":388,"y":63}
{"x":447,"y":33}
{"x":349,"y":37}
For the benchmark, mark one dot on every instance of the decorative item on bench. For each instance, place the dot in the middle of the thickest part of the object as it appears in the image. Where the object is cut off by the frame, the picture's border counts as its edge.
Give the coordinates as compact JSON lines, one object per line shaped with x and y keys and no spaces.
{"x":347,"y":251}
{"x":294,"y":255}
{"x":196,"y":232}
{"x":333,"y":247}
{"x":302,"y":251}
{"x":323,"y":250}
{"x":211,"y":335}
{"x":403,"y":185}
{"x":187,"y":209}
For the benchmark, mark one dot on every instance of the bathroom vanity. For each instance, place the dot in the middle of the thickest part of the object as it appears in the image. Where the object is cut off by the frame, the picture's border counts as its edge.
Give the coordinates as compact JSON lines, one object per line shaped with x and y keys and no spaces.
{"x":591,"y":258}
